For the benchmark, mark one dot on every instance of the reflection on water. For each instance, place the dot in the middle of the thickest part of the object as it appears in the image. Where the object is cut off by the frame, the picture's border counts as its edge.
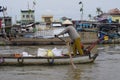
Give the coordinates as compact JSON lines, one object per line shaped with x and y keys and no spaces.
{"x":106,"y":67}
{"x":74,"y":74}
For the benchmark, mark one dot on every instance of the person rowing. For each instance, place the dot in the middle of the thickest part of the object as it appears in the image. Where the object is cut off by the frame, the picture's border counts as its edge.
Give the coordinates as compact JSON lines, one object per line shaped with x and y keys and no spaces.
{"x":75,"y":38}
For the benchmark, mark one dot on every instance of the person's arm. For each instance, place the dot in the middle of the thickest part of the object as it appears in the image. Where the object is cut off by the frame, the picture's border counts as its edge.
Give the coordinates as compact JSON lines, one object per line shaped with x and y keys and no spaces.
{"x":63,"y":32}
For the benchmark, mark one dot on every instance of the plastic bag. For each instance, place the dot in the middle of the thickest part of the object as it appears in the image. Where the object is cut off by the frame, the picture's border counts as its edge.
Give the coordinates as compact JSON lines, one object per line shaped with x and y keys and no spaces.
{"x":57,"y":52}
{"x":50,"y":53}
{"x":25,"y":54}
{"x":42,"y":52}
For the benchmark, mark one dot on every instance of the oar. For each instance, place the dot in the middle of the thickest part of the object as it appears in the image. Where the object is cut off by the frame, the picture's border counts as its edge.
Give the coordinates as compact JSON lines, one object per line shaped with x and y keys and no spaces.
{"x":68,"y":46}
{"x":61,"y":39}
{"x":71,"y":59}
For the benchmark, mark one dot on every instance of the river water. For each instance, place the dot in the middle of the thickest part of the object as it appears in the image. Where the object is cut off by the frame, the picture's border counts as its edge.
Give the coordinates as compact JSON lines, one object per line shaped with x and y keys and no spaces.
{"x":105,"y":67}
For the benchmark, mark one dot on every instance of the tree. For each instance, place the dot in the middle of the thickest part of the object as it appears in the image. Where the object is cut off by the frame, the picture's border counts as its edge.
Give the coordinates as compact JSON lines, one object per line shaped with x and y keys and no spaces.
{"x":81,"y":9}
{"x":90,"y":16}
{"x":99,"y":11}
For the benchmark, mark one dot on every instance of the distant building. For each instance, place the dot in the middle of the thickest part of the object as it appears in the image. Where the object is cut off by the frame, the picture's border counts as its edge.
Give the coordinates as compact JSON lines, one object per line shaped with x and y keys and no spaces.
{"x":48,"y":19}
{"x":27,"y":16}
{"x":6,"y":24}
{"x":113,"y":15}
{"x":7,"y":21}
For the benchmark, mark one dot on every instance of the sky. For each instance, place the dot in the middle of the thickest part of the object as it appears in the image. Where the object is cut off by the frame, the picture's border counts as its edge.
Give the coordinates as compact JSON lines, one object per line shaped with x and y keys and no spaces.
{"x":58,"y":8}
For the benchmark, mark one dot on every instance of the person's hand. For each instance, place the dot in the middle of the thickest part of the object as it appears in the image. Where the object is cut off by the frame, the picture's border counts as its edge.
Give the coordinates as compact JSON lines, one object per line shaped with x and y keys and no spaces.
{"x":56,"y":35}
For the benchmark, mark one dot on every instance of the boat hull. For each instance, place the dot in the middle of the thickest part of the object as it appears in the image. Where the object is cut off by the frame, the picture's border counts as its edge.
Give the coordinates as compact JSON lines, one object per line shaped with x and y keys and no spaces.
{"x":46,"y":60}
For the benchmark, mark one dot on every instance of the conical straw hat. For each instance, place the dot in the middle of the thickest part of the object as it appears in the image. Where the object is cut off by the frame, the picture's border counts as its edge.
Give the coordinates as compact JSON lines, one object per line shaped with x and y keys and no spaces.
{"x":67,"y":22}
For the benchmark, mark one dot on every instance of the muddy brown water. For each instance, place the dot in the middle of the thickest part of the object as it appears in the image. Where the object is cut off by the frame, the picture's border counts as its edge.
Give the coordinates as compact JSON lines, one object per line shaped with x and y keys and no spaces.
{"x":105,"y":67}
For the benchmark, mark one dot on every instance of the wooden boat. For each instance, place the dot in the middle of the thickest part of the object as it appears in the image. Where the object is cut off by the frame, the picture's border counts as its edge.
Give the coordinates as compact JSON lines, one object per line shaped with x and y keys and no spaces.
{"x":57,"y":60}
{"x":88,"y":58}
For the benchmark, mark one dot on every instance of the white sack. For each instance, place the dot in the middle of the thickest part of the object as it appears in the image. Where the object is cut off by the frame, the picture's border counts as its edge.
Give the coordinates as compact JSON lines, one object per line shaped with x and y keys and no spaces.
{"x":57,"y":52}
{"x":42,"y":52}
{"x":25,"y":54}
